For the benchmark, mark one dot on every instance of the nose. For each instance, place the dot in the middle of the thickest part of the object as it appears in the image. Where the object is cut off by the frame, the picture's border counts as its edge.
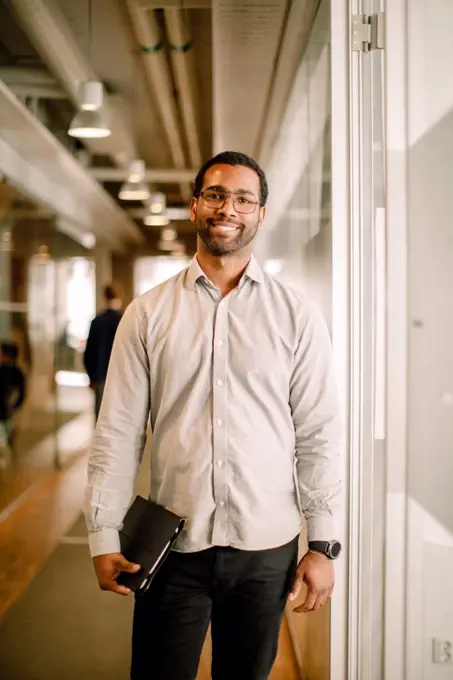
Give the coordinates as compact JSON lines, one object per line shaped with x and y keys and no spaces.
{"x":228,"y":207}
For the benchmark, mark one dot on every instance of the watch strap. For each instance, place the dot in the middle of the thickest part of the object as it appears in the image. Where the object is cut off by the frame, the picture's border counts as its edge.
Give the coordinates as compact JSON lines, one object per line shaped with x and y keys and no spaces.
{"x":319,"y":546}
{"x":331,"y":549}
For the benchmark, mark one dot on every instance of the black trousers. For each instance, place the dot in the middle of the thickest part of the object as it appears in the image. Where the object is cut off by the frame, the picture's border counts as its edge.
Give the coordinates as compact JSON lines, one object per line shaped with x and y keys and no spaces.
{"x":242,"y":593}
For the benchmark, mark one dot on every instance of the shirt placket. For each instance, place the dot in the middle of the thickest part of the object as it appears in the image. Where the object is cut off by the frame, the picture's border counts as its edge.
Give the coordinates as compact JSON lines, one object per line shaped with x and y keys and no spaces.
{"x":220,"y":424}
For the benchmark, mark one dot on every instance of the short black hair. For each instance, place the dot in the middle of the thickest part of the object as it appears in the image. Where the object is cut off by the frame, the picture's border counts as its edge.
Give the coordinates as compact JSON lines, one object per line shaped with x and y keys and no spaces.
{"x":112,"y":291}
{"x":233,"y":158}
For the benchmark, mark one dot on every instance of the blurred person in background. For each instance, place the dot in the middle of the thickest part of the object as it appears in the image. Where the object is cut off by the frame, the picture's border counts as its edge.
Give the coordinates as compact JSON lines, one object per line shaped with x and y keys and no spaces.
{"x":12,"y":396}
{"x":99,"y":343}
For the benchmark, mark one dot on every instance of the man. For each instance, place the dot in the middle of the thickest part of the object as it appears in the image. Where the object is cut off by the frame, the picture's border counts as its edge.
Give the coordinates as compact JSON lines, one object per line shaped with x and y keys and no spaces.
{"x":235,"y":371}
{"x":100,"y":342}
{"x":12,"y":395}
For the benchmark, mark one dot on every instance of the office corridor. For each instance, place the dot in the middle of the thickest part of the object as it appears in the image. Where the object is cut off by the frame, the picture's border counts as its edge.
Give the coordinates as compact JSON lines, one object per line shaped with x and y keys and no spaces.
{"x":109,"y":112}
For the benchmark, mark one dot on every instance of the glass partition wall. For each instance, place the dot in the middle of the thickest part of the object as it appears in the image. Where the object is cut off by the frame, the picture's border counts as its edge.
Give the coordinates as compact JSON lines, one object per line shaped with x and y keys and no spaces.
{"x":296,"y":246}
{"x":46,"y":303}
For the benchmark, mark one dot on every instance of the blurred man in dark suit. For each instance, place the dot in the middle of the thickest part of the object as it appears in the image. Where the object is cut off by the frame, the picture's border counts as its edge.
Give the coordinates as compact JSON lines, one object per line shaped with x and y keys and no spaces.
{"x":12,"y":396}
{"x":100,"y":341}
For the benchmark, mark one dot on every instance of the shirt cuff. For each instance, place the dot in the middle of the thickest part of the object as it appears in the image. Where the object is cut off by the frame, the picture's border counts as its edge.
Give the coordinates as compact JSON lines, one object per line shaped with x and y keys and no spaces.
{"x":321,"y":529}
{"x":104,"y":542}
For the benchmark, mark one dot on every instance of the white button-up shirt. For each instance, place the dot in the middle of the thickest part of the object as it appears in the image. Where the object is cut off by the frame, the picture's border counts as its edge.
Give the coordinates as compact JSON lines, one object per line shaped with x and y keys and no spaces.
{"x":240,"y":394}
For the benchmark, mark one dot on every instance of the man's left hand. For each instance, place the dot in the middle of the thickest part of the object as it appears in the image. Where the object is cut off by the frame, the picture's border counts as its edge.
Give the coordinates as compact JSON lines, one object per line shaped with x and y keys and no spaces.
{"x":318,"y":573}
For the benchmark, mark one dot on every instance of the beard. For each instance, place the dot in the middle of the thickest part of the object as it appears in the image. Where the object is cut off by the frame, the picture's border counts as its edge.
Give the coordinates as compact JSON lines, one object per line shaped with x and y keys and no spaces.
{"x":219,"y":245}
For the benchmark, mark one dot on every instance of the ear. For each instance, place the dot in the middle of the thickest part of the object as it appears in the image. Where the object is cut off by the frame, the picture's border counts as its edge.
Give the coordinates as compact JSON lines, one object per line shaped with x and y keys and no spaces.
{"x":262,"y":216}
{"x":193,"y":209}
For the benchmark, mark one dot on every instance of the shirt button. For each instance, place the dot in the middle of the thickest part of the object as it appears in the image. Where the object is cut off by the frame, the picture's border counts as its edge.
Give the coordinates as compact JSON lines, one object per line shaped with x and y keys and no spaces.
{"x":219,"y":343}
{"x":220,"y":463}
{"x":222,"y":503}
{"x":219,"y":383}
{"x":219,"y":422}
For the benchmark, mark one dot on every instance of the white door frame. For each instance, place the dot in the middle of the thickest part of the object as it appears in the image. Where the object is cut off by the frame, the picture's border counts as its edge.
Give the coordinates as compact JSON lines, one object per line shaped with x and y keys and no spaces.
{"x":342,"y":634}
{"x":351,"y":629}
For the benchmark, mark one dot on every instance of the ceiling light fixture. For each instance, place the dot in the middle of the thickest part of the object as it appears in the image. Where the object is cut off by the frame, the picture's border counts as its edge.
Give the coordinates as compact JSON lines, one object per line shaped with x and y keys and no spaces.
{"x":158,"y":203}
{"x":134,"y":191}
{"x":135,"y":188}
{"x":166,"y":245}
{"x":169,"y":234}
{"x":172,"y":247}
{"x":156,"y":220}
{"x":136,"y":171}
{"x":90,"y":122}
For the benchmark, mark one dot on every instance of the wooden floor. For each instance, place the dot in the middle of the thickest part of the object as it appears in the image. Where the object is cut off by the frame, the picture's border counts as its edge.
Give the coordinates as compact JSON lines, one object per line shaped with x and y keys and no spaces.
{"x":30,"y":532}
{"x":285,"y":667}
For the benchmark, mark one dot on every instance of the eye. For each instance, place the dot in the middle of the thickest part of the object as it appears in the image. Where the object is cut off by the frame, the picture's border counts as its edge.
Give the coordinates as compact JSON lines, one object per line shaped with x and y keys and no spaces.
{"x":214,"y":196}
{"x":244,"y":200}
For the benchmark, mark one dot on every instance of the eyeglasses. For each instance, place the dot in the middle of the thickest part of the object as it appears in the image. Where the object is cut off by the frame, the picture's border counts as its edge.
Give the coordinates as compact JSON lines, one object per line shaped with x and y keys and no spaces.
{"x":217,"y":199}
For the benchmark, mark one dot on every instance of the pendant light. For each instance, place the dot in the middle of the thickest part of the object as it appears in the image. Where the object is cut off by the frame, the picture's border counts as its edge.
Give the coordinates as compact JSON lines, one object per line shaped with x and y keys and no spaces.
{"x":89,"y":122}
{"x":135,"y":188}
{"x":169,"y":234}
{"x":156,"y":220}
{"x":157,"y":203}
{"x":158,"y":214}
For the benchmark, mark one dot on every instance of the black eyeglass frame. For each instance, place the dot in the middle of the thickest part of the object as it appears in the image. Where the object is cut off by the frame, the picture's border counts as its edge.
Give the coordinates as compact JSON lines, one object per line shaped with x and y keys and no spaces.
{"x":227,"y":196}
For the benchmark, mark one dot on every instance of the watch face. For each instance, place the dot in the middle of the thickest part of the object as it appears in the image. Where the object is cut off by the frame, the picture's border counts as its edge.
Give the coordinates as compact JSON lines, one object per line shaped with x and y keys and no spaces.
{"x":335,"y":549}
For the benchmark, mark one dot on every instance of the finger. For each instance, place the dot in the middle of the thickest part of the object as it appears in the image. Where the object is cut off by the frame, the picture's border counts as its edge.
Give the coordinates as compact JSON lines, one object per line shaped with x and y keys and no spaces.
{"x":320,"y":602}
{"x":326,"y":597}
{"x":114,"y":587}
{"x":121,"y":590}
{"x":297,"y":586}
{"x":124,"y":565}
{"x":308,"y":604}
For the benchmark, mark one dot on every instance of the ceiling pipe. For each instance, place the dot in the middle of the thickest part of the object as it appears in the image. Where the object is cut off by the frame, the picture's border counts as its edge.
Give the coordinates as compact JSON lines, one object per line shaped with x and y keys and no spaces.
{"x":49,"y":32}
{"x":174,"y":4}
{"x":175,"y":214}
{"x":43,"y":170}
{"x":297,"y":30}
{"x":158,"y":74}
{"x":182,"y":59}
{"x":38,"y":91}
{"x":158,"y":176}
{"x":28,"y":82}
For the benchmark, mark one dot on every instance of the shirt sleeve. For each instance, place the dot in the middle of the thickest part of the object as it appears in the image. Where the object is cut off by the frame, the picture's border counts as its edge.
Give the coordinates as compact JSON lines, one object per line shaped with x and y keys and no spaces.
{"x":318,"y":432}
{"x":120,"y":434}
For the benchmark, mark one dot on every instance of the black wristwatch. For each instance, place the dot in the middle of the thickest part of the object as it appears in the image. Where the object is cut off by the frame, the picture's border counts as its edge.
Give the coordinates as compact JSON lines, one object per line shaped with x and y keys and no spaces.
{"x":330,"y":549}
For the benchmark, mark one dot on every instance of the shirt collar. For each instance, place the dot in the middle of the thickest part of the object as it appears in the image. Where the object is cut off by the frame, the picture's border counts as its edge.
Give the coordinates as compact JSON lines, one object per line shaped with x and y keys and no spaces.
{"x":194,"y":273}
{"x":253,"y":271}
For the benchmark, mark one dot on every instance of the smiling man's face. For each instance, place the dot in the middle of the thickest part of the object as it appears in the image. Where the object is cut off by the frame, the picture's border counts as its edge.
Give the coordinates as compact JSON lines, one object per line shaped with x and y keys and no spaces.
{"x":228,"y":215}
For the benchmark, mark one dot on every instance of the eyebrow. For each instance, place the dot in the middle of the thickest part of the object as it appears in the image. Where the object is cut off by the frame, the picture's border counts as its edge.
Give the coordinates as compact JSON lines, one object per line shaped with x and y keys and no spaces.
{"x":219,"y":187}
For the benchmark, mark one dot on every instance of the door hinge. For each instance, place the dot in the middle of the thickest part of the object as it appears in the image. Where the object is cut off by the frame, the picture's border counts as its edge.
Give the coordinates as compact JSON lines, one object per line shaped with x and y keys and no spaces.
{"x":368,"y":32}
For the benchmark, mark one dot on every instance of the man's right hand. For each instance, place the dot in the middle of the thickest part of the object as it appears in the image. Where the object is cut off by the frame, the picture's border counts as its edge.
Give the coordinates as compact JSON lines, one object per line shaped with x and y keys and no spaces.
{"x":109,"y":567}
